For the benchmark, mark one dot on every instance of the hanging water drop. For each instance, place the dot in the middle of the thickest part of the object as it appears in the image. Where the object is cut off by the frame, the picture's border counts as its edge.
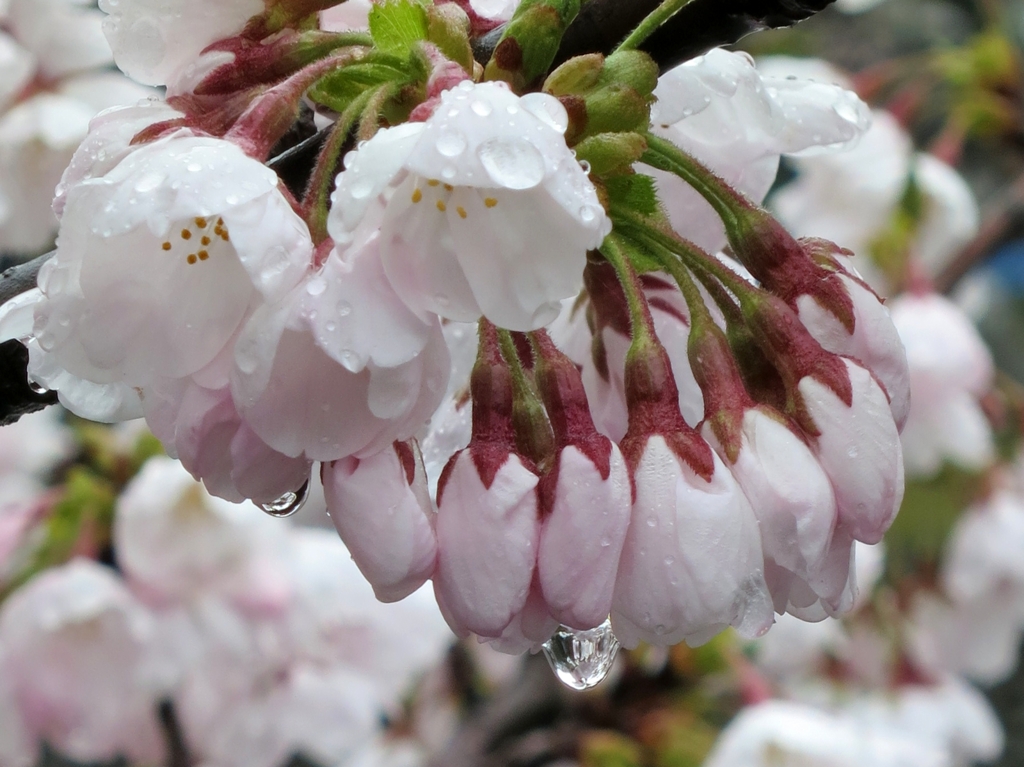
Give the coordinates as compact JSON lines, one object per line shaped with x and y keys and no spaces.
{"x":37,"y":388}
{"x":582,"y":659}
{"x":287,"y":504}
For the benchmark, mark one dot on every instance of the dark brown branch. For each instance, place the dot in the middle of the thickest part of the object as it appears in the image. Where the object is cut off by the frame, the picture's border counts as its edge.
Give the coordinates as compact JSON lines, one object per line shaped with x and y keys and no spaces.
{"x":698,"y":27}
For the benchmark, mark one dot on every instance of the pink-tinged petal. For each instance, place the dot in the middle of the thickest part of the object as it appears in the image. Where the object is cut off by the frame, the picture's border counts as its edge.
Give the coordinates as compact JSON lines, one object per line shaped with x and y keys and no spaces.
{"x":859,"y":448}
{"x":487,"y":544}
{"x":692,"y":563}
{"x":384,"y":521}
{"x":303,"y":402}
{"x":788,"y":490}
{"x":874,"y":344}
{"x":581,"y":539}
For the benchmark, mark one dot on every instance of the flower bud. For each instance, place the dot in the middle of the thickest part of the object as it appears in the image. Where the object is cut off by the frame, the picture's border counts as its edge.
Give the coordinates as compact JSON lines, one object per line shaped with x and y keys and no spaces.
{"x":381,"y":508}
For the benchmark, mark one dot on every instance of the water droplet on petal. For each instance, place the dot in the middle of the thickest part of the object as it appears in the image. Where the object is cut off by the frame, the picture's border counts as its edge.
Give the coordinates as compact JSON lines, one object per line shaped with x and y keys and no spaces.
{"x":585,"y":166}
{"x":481,"y":108}
{"x":512,"y":163}
{"x":547,"y":109}
{"x":37,"y":388}
{"x":287,"y":504}
{"x":361,"y":188}
{"x":344,"y":309}
{"x":582,"y":659}
{"x":316,"y":286}
{"x":451,"y":143}
{"x":149,"y":182}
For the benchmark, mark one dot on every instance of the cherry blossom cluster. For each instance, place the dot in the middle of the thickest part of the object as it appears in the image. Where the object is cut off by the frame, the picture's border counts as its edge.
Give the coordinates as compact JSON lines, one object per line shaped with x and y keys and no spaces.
{"x":266,"y":640}
{"x":681,"y":418}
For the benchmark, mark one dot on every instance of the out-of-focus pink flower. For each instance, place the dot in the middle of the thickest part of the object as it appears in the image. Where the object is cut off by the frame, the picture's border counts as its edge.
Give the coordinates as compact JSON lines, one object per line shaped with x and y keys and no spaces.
{"x":850,"y":197}
{"x":382,"y":510}
{"x":950,"y":368}
{"x":175,"y":543}
{"x":71,"y":645}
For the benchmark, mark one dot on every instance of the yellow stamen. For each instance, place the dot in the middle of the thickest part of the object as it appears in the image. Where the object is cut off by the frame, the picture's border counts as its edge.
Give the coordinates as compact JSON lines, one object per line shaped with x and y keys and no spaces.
{"x":201,"y":222}
{"x":186,"y":234}
{"x":441,"y":206}
{"x":166,"y":246}
{"x":433,"y":182}
{"x":205,"y":240}
{"x":191,"y":258}
{"x":449,"y":187}
{"x":417,"y":195}
{"x":203,"y":255}
{"x":490,"y":202}
{"x":462,"y":211}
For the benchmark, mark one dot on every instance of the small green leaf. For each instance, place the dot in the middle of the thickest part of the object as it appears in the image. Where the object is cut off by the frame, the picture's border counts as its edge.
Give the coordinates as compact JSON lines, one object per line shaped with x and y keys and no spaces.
{"x":633,"y":192}
{"x":343,"y":86}
{"x":397,"y":25}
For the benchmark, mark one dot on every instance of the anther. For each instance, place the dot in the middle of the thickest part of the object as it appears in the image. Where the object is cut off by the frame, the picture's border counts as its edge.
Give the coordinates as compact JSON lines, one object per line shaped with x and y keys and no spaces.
{"x":490,"y":202}
{"x":186,"y":234}
{"x":191,"y":258}
{"x":417,"y":195}
{"x":433,"y":182}
{"x":441,"y":206}
{"x":449,"y":187}
{"x":205,"y":240}
{"x":201,"y":222}
{"x":166,"y":246}
{"x":461,"y":211}
{"x":203,"y":255}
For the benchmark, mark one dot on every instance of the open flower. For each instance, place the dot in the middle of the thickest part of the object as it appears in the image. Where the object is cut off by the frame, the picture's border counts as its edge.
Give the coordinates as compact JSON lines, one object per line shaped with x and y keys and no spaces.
{"x":160,"y":260}
{"x":738,"y":122}
{"x":485,"y":209}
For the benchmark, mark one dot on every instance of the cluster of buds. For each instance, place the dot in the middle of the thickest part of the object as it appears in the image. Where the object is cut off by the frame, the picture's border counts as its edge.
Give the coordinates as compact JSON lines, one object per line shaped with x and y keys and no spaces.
{"x":709,"y":463}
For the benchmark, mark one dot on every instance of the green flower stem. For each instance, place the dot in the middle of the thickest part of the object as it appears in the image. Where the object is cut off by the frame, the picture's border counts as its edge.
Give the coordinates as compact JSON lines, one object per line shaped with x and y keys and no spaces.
{"x":728,"y":204}
{"x":314,"y":204}
{"x":534,"y":437}
{"x":650,"y":24}
{"x":641,"y":322}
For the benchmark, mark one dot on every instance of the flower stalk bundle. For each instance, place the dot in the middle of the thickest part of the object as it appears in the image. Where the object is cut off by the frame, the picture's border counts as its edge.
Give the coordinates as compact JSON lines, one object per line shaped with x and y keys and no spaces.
{"x":682,"y":418}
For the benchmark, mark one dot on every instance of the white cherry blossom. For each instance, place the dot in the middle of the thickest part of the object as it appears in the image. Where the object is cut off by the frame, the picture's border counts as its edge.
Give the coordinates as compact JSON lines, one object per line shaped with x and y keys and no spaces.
{"x":214,"y":235}
{"x":485,"y":209}
{"x":738,"y":122}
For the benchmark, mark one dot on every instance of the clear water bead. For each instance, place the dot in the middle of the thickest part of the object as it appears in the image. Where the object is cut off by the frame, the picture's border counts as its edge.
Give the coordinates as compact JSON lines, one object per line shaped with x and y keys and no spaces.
{"x":287,"y":504}
{"x":582,"y":659}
